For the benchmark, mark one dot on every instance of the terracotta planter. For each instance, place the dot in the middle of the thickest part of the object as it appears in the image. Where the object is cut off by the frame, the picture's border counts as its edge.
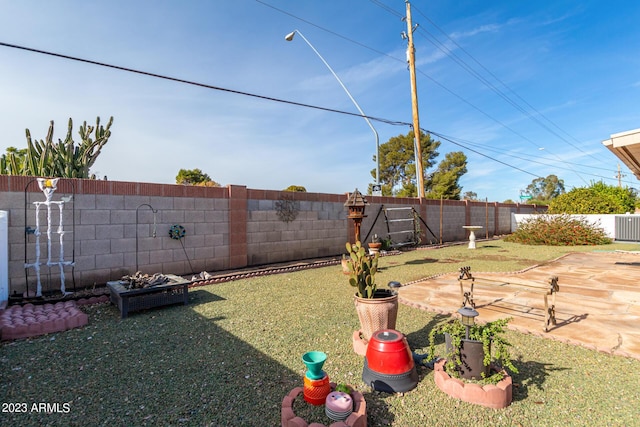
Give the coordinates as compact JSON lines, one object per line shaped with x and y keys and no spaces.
{"x":374,"y":247}
{"x":345,"y":266}
{"x":379,"y":312}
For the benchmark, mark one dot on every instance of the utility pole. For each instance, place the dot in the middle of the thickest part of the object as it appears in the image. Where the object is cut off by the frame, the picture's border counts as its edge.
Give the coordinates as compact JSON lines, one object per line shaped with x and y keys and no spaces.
{"x":411,"y":57}
{"x":619,"y":175}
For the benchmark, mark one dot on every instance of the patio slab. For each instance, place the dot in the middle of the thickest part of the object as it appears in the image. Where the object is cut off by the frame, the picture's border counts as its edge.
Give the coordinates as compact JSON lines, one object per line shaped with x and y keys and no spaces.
{"x":598,"y":305}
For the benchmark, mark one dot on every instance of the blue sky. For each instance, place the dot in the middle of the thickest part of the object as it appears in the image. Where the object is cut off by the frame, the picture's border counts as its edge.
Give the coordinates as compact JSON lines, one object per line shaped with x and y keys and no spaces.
{"x":540,"y":86}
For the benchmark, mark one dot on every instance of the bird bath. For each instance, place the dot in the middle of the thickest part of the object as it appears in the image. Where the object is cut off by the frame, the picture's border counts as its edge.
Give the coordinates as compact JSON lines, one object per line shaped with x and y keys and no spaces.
{"x":472,"y":234}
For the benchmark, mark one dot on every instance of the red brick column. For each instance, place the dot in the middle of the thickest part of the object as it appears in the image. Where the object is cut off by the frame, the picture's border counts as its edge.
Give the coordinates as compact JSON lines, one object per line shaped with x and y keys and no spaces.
{"x":237,"y":226}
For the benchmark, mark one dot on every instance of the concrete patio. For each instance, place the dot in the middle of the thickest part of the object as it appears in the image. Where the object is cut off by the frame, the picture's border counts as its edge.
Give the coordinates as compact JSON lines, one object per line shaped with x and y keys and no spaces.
{"x":598,"y":305}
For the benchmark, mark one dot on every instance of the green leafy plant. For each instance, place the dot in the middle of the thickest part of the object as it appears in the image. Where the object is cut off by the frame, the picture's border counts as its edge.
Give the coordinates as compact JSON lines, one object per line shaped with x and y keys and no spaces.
{"x":387,"y":243}
{"x":345,"y":388}
{"x":491,"y":334}
{"x":362,"y":269}
{"x":598,"y":198}
{"x":296,"y":189}
{"x":558,"y":230}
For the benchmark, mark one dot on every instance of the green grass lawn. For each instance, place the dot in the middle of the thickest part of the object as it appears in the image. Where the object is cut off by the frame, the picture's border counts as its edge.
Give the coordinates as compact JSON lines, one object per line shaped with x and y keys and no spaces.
{"x":232,"y":354}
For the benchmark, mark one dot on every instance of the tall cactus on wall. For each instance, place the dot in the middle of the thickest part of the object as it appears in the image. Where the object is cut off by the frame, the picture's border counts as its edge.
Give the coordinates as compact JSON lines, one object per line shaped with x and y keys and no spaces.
{"x":61,"y":159}
{"x":12,"y":162}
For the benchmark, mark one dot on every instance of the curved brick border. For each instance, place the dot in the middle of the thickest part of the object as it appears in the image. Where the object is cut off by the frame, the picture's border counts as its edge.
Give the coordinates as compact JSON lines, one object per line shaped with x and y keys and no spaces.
{"x":244,"y":274}
{"x":358,"y":417}
{"x":492,"y":396}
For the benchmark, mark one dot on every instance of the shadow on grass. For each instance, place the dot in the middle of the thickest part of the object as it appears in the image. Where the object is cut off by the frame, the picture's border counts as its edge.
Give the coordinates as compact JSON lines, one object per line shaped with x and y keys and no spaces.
{"x":531,"y":374}
{"x":377,"y":408}
{"x":175,"y":365}
{"x":202,"y":296}
{"x":422,"y":261}
{"x":420,"y":339}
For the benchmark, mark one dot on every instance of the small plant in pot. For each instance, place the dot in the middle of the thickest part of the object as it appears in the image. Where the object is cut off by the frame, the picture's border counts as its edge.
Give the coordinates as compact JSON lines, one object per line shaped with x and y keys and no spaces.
{"x":375,"y":245}
{"x":377,"y":308}
{"x":477,"y":352}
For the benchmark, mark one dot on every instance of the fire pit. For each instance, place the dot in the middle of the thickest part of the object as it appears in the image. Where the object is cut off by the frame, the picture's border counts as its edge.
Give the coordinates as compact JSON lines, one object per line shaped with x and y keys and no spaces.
{"x":173,"y":291}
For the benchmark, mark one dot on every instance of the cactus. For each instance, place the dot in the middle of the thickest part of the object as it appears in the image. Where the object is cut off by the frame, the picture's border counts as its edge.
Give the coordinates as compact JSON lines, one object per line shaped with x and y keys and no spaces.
{"x":362,"y":270}
{"x":61,"y":159}
{"x":12,"y":162}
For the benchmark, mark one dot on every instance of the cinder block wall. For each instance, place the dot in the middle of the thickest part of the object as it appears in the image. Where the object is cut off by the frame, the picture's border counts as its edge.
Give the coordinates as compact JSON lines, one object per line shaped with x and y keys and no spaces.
{"x":112,"y":228}
{"x":285,"y":226}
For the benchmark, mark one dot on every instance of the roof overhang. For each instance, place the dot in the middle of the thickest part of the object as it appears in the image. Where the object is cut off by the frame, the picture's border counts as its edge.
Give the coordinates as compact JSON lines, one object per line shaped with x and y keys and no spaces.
{"x":626,"y":146}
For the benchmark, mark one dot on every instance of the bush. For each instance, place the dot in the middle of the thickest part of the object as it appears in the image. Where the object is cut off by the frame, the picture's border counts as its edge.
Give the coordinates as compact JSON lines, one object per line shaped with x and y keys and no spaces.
{"x":296,"y":188}
{"x":558,"y":230}
{"x":599,"y":198}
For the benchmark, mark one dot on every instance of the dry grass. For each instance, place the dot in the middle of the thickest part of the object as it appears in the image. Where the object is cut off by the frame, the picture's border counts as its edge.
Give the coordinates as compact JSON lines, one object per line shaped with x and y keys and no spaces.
{"x":229,"y":357}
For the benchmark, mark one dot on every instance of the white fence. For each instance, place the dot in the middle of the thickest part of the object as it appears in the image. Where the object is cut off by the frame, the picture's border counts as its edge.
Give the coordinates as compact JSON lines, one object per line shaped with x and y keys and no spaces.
{"x":611,"y":224}
{"x":4,"y":257}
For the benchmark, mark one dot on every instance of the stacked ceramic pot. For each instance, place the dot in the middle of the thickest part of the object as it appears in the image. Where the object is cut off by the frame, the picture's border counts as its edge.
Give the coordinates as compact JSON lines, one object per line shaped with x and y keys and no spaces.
{"x":388,"y":364}
{"x":316,"y":381}
{"x":338,"y":405}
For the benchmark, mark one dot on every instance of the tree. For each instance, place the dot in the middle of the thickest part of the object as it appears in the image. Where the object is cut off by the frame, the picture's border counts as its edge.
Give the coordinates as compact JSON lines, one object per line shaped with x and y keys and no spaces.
{"x":444,"y":182}
{"x":296,"y":188}
{"x":63,"y":159}
{"x":599,"y":198}
{"x":397,"y":163}
{"x":545,"y":189}
{"x":470,"y":195}
{"x":195,"y":177}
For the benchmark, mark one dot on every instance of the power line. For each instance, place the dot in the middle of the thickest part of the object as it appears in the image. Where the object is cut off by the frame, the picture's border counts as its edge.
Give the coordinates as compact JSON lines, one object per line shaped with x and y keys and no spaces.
{"x":479,"y":153}
{"x":267,"y":98}
{"x":527,"y":159}
{"x":207,"y":86}
{"x":387,"y":8}
{"x":448,"y":52}
{"x":203,"y":85}
{"x":502,"y":83}
{"x":397,"y":14}
{"x":329,"y":31}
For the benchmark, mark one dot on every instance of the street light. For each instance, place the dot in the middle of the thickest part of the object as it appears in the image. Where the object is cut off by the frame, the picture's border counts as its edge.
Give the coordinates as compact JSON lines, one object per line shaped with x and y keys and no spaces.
{"x":288,"y":38}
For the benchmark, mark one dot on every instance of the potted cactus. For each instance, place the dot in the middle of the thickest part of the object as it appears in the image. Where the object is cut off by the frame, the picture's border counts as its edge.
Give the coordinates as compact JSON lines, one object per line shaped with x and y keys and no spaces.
{"x":375,"y":245}
{"x":377,"y":308}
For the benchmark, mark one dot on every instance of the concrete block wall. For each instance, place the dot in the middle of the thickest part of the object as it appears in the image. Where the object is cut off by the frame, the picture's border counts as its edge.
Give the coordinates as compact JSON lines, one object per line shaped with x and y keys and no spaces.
{"x":483,"y":214}
{"x":455,"y":216}
{"x":100,"y":233}
{"x":285,"y":226}
{"x":109,"y":227}
{"x":375,"y":224}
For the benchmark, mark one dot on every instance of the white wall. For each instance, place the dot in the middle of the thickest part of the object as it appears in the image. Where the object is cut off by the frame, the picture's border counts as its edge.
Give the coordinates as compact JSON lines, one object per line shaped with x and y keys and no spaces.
{"x":4,"y":257}
{"x":606,"y":222}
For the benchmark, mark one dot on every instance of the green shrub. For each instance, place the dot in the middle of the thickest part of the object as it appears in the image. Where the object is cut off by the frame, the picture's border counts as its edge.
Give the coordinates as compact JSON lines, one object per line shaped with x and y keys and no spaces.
{"x":558,"y":230}
{"x":296,"y":189}
{"x":598,"y":198}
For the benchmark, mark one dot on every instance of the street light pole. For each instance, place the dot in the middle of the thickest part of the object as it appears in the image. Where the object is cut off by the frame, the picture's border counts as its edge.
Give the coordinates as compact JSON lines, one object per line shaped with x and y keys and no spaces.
{"x":288,"y":38}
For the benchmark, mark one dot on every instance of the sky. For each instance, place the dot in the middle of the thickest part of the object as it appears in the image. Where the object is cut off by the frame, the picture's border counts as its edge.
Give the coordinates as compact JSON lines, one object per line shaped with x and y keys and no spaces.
{"x":524,"y":89}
